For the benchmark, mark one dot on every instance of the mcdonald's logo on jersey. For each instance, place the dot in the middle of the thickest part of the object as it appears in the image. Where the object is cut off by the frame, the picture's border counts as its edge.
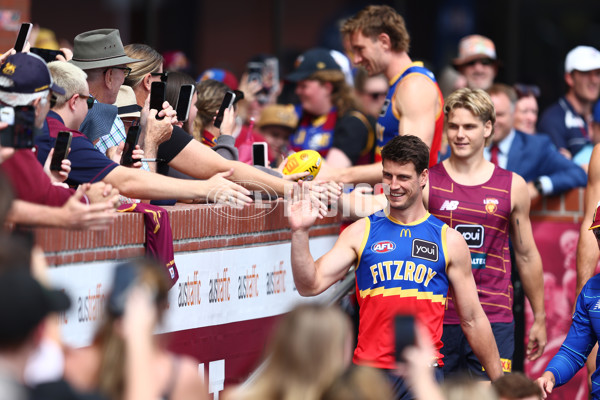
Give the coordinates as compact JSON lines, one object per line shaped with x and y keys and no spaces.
{"x":405,"y":233}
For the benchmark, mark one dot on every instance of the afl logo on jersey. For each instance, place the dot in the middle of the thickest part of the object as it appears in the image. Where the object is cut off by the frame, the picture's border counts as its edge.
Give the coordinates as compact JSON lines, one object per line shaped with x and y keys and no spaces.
{"x":491,"y":205}
{"x":384,"y":246}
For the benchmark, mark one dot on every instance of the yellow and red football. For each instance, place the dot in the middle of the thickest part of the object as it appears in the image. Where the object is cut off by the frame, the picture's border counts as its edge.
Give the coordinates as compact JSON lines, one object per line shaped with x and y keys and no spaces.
{"x":305,"y":160}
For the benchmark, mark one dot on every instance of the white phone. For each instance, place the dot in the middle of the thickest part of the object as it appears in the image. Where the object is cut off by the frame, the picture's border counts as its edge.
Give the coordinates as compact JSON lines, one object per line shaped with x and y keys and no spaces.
{"x":259,"y":154}
{"x":184,"y":101}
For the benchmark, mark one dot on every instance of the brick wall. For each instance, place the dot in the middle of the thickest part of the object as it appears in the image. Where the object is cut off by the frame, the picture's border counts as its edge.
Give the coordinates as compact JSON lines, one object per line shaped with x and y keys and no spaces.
{"x":201,"y":227}
{"x":564,"y":208}
{"x":195,"y":228}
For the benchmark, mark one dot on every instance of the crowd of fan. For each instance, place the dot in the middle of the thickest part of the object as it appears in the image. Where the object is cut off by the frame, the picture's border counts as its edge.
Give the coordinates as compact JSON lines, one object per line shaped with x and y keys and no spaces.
{"x":100,"y":89}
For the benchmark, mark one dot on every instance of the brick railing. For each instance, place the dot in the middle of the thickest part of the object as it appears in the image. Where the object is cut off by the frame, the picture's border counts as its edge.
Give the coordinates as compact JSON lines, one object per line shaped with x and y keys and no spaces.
{"x":567,"y":207}
{"x":195,"y":228}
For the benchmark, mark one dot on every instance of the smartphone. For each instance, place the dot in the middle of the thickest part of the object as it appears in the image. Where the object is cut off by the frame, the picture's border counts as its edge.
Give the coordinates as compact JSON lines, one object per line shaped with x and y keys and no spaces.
{"x":157,"y":96}
{"x":23,"y":36}
{"x":130,"y":141}
{"x":126,"y":276}
{"x":255,"y":71}
{"x":47,"y":55}
{"x":404,"y":329}
{"x":184,"y":101}
{"x":20,"y":131}
{"x":259,"y":154}
{"x":228,"y":100}
{"x":61,"y":149}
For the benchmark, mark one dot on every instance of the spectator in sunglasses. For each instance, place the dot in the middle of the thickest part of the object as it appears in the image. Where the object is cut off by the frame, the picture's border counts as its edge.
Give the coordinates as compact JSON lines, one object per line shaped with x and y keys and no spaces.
{"x":371,"y":91}
{"x":477,"y":61}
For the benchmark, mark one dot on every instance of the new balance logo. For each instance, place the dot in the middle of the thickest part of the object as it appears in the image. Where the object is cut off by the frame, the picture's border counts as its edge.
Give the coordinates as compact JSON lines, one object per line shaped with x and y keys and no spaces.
{"x":449,"y":205}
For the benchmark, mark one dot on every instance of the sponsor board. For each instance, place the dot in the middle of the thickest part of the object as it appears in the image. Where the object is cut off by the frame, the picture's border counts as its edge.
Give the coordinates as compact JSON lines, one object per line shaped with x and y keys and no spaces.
{"x":215,"y":287}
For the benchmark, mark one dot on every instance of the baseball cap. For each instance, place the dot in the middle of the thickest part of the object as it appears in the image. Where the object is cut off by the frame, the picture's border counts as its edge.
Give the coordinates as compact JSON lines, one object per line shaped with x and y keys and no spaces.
{"x":473,"y":47}
{"x":221,"y":75}
{"x":24,"y":303}
{"x":313,"y":60}
{"x":27,"y":73}
{"x":582,"y":58}
{"x":127,"y":103}
{"x":278,"y":114}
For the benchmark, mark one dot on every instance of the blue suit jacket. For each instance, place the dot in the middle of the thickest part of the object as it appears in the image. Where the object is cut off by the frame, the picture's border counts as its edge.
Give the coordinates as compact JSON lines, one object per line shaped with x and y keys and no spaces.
{"x":532,"y":156}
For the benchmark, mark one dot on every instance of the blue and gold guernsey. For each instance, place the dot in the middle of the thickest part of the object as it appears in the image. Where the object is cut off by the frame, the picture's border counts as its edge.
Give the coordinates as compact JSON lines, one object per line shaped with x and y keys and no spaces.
{"x":388,"y":123}
{"x":401,"y":269}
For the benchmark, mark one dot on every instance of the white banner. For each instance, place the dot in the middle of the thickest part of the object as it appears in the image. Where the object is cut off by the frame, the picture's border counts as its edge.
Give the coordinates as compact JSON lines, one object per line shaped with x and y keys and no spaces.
{"x":215,"y":287}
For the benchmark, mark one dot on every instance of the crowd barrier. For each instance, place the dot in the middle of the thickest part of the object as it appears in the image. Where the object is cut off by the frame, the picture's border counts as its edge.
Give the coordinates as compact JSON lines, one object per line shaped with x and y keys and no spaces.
{"x":235,"y":279}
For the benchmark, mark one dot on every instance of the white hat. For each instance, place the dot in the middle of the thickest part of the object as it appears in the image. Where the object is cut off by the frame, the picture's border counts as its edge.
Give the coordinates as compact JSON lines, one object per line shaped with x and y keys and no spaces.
{"x":582,"y":58}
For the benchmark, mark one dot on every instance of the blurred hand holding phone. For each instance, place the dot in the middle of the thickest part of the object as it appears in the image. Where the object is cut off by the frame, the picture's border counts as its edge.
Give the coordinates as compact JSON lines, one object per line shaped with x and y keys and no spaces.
{"x":21,"y":130}
{"x":404,"y":332}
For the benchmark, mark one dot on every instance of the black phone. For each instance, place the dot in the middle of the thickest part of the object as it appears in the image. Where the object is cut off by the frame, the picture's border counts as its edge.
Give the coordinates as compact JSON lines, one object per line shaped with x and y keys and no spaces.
{"x":23,"y":36}
{"x":46,"y":54}
{"x":132,"y":137}
{"x":158,"y":92}
{"x":404,"y":330}
{"x":259,"y":154}
{"x":61,"y":149}
{"x":228,"y":100}
{"x":184,"y":101}
{"x":20,"y":131}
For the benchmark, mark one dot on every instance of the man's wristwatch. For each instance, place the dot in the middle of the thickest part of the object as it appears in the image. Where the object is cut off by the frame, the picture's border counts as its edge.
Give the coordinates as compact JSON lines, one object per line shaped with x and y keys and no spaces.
{"x":538,"y":186}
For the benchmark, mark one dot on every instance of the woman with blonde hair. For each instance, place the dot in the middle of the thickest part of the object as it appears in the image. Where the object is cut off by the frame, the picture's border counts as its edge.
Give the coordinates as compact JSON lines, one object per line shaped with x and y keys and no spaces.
{"x":310,"y":348}
{"x":330,"y":120}
{"x":145,"y":72}
{"x":125,"y":360}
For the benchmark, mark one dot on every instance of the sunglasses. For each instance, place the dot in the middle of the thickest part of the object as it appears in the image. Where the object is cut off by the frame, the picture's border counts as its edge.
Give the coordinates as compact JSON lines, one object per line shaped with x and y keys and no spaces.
{"x":482,"y":61}
{"x":376,"y":95}
{"x":126,"y":70}
{"x":163,"y":75}
{"x":89,"y":99}
{"x":526,"y":90}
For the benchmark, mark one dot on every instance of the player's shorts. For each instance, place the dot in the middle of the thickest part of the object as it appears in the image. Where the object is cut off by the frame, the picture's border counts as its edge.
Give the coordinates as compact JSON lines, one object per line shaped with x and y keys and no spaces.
{"x":459,"y":357}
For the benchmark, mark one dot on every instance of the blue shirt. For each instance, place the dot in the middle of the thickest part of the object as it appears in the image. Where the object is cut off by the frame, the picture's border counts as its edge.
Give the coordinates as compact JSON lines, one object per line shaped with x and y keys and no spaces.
{"x":582,"y":337}
{"x":87,"y":163}
{"x":565,"y":126}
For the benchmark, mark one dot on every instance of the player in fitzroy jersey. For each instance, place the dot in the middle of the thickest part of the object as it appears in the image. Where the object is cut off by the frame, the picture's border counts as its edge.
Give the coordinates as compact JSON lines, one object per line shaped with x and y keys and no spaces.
{"x":485,"y":203}
{"x":405,"y":262}
{"x":414,"y":104}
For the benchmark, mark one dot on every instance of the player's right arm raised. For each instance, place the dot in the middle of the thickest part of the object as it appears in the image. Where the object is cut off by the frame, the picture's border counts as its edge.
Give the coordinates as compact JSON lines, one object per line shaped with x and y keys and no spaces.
{"x":313,"y":277}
